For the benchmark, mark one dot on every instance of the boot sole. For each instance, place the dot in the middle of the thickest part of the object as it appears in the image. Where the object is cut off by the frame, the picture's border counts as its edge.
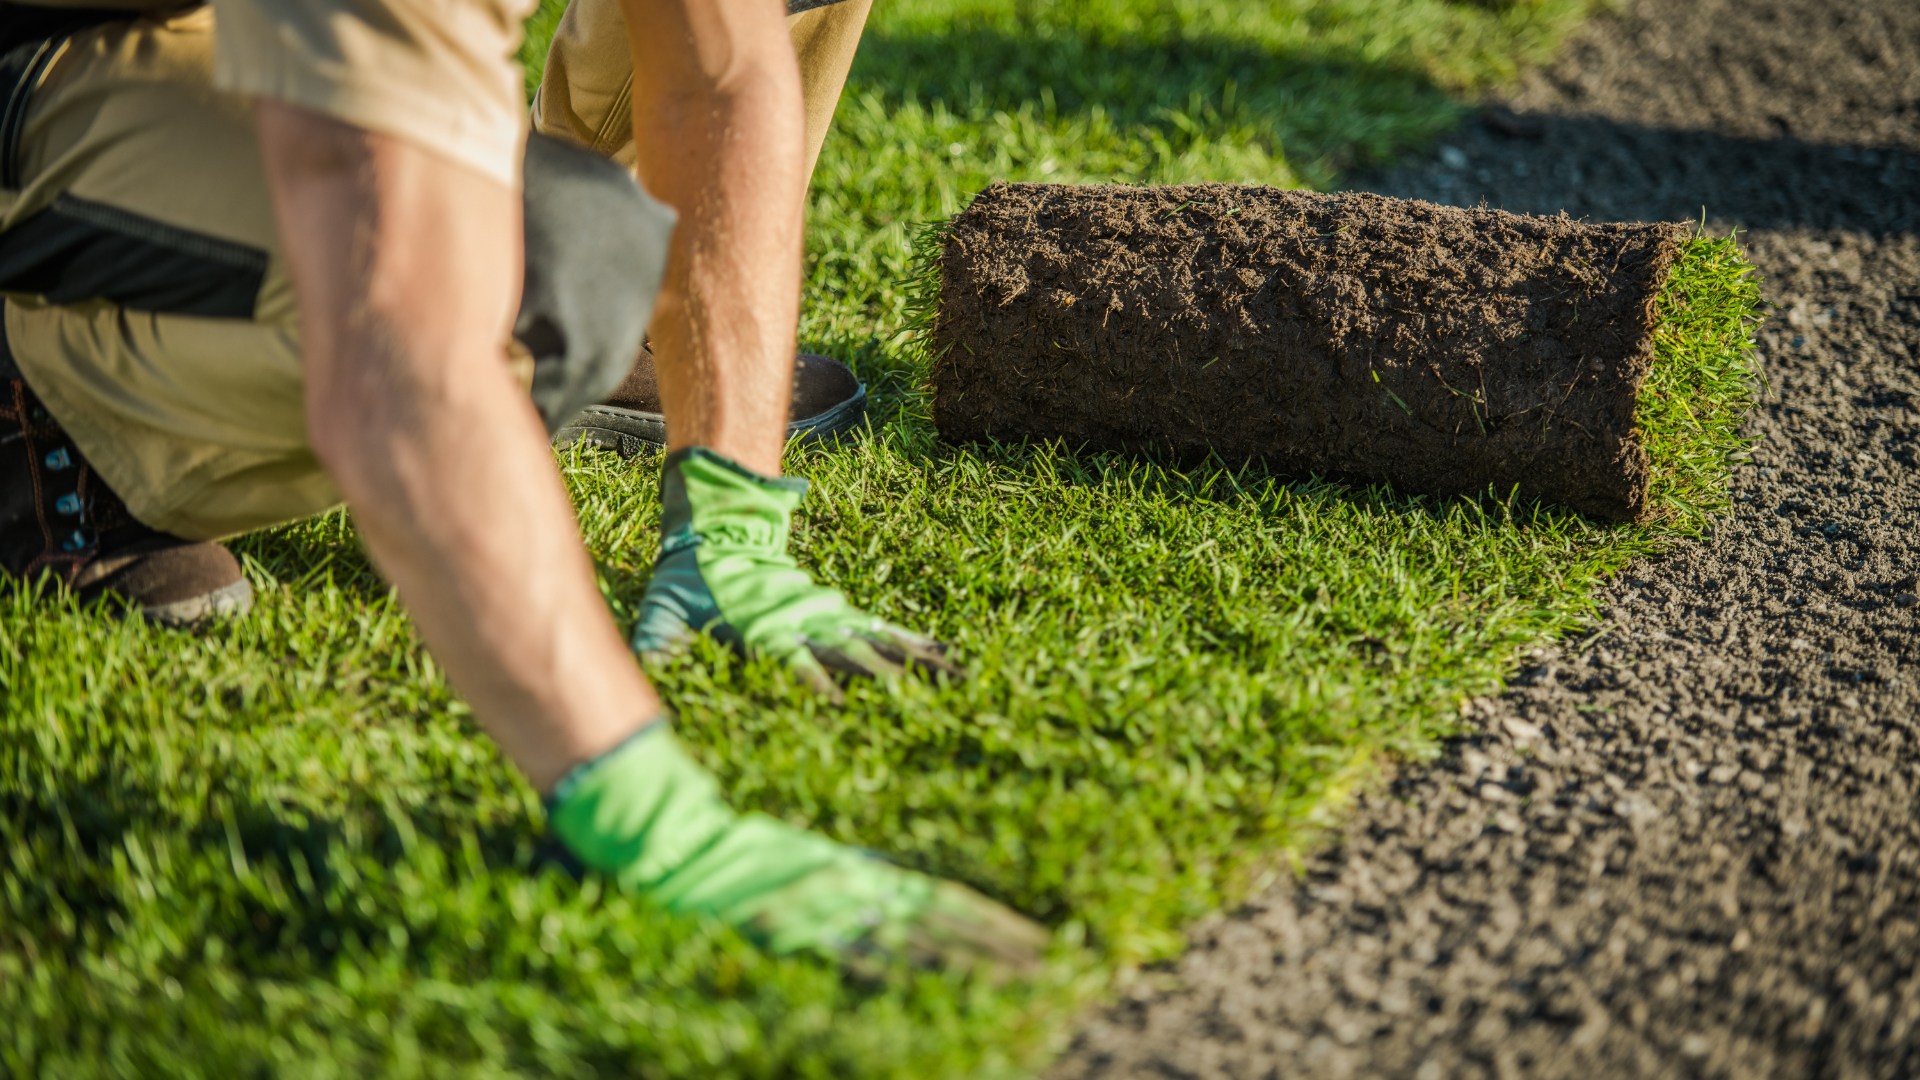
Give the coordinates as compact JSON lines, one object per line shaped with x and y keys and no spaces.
{"x":629,"y":431}
{"x":230,"y":600}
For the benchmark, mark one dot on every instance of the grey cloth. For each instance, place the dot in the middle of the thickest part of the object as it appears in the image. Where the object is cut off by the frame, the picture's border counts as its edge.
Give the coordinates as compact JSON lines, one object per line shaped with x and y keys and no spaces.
{"x":596,"y":253}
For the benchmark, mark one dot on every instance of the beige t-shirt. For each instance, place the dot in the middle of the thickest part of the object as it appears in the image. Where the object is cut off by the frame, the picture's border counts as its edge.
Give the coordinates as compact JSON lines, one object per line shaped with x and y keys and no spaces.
{"x":439,"y":73}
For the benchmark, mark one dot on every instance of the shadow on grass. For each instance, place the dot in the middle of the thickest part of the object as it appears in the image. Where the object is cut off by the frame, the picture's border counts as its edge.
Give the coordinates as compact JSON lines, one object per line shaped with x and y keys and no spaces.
{"x":316,"y":553}
{"x":1211,"y":479}
{"x":301,"y":862}
{"x":1329,"y":109}
{"x":1604,"y":170}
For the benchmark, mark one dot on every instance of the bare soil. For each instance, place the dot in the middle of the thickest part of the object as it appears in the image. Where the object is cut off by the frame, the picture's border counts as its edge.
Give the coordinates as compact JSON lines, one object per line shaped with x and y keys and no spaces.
{"x":1687,"y":844}
{"x":1445,"y":350}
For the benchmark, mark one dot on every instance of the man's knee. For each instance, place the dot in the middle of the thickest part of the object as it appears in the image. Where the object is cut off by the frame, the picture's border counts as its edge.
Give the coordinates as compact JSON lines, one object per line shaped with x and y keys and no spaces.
{"x":596,"y":253}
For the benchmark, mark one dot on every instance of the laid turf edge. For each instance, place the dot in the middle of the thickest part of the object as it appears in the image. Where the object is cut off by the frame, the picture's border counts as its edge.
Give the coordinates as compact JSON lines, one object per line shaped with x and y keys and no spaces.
{"x":1690,"y":415}
{"x":1690,"y":412}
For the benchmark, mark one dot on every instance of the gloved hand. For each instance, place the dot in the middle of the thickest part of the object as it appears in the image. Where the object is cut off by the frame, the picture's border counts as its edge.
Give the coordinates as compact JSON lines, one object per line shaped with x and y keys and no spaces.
{"x":650,"y":817}
{"x":724,"y":569}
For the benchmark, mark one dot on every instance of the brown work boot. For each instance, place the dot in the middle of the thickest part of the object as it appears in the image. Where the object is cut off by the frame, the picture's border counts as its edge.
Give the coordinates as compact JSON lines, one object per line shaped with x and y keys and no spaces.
{"x":58,"y":517}
{"x":827,"y":400}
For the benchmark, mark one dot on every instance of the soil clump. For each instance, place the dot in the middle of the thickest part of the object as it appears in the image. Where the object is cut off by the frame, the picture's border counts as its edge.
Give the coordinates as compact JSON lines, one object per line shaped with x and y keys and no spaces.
{"x":1687,"y":844}
{"x":1443,"y":350}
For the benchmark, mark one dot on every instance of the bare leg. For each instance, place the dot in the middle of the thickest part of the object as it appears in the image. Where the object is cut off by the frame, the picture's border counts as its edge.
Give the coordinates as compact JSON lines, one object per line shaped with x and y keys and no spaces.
{"x":406,"y":267}
{"x":721,"y":136}
{"x":586,"y":88}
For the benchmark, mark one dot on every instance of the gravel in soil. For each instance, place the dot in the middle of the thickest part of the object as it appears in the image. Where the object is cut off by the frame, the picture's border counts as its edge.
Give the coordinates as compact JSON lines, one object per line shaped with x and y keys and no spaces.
{"x":1687,"y":844}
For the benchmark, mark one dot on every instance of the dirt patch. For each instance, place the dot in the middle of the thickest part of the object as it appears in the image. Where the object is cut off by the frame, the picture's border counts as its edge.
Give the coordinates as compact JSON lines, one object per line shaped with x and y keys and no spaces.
{"x":1688,"y":844}
{"x":1443,"y":350}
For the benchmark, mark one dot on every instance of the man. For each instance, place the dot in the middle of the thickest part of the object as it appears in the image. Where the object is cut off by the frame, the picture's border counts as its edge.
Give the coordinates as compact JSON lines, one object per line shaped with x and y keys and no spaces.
{"x":242,"y":287}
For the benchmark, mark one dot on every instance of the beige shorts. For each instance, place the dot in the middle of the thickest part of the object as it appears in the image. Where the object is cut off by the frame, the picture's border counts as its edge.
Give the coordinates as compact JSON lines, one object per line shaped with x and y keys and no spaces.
{"x":586,"y":91}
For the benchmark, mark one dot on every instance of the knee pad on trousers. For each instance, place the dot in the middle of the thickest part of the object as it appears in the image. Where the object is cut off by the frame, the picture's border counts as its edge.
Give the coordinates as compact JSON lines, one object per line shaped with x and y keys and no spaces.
{"x":596,"y":253}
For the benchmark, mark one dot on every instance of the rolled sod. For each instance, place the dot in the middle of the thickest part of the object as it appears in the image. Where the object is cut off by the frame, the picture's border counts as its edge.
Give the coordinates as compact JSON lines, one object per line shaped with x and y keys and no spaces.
{"x":1353,"y":337}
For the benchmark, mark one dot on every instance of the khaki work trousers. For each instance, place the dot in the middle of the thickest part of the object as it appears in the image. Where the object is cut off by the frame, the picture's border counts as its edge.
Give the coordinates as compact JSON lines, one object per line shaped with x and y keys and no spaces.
{"x":193,"y":413}
{"x":184,"y":390}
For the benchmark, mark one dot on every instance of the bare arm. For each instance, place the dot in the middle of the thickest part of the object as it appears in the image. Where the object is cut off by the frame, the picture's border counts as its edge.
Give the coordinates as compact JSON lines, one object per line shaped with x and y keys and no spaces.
{"x":406,"y":268}
{"x":720,"y":135}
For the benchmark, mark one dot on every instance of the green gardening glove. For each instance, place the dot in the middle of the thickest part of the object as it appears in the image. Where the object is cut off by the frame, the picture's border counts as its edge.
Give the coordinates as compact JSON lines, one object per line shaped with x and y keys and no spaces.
{"x":651,"y":818}
{"x":724,"y":569}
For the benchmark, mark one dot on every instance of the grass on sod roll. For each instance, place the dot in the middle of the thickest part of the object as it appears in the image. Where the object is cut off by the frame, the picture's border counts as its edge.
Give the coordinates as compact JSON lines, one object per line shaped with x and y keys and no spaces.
{"x":280,"y":845}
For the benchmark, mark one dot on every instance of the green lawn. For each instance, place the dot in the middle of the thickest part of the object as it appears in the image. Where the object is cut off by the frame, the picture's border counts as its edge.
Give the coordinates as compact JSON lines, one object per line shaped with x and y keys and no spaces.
{"x":279,"y":847}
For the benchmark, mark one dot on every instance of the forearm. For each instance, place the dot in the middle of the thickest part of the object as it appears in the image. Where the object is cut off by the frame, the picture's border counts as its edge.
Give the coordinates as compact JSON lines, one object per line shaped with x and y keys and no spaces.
{"x":720,"y":136}
{"x":461,"y":508}
{"x":406,"y":268}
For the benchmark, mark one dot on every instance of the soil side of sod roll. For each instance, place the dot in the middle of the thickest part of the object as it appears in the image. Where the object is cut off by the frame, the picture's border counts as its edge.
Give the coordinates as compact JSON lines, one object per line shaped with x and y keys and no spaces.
{"x":1349,"y":336}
